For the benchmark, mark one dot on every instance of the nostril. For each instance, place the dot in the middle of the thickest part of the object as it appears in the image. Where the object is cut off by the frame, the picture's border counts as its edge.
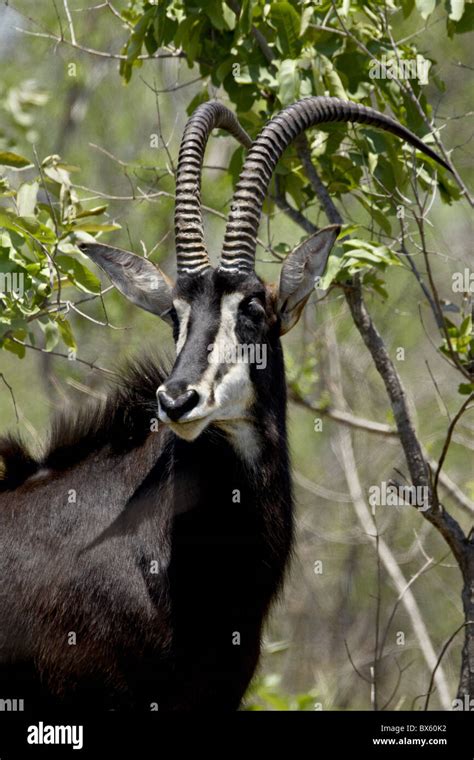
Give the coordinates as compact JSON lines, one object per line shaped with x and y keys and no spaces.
{"x":176,"y":407}
{"x":165,"y":401}
{"x":188,"y":400}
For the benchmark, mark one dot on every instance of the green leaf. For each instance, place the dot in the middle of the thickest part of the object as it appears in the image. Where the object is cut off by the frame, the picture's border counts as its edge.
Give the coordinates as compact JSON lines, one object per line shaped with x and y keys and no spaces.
{"x":255,"y":74}
{"x":214,"y":11}
{"x":91,"y":212}
{"x":375,"y":254}
{"x":14,"y":160}
{"x":466,"y":388}
{"x":66,"y":333}
{"x":333,"y":81}
{"x":346,"y":6}
{"x":245,"y":18}
{"x":407,"y":7}
{"x":229,"y":16}
{"x":288,"y":79}
{"x":93,"y":227}
{"x":332,"y":268}
{"x":456,"y":11}
{"x":466,"y":327}
{"x":78,"y":274}
{"x":164,"y":28}
{"x":287,"y":24}
{"x":306,"y":18}
{"x":29,"y":225}
{"x":137,"y":37}
{"x":26,"y":198}
{"x":51,"y":334}
{"x":370,"y":280}
{"x":5,"y":189}
{"x":189,"y":37}
{"x":425,"y":7}
{"x":465,"y":24}
{"x":14,"y":348}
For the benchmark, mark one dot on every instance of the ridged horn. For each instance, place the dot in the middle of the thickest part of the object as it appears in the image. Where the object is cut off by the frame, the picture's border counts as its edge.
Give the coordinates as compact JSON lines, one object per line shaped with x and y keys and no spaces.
{"x":240,"y":241}
{"x":191,"y":252}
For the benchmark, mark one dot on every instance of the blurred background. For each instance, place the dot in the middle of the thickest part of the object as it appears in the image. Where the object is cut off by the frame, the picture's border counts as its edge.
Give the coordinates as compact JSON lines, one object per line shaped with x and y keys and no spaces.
{"x":339,"y":599}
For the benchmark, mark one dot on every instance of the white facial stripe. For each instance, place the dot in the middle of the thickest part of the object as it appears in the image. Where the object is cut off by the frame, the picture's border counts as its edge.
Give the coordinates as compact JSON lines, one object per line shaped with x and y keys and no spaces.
{"x":235,"y":390}
{"x":225,"y":338}
{"x":183,"y":310}
{"x":231,"y":395}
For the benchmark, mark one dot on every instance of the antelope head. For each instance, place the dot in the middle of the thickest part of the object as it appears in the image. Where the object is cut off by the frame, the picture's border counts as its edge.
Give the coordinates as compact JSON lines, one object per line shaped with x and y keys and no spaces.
{"x":226,"y":321}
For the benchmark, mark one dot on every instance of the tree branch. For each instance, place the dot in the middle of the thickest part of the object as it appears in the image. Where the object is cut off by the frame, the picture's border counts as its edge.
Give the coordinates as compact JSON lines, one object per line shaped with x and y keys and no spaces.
{"x":367,"y":522}
{"x":448,"y":527}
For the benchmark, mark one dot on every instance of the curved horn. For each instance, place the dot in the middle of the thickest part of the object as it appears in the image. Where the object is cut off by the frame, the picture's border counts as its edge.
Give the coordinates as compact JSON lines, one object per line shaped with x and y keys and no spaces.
{"x":240,"y":241}
{"x":191,"y":250}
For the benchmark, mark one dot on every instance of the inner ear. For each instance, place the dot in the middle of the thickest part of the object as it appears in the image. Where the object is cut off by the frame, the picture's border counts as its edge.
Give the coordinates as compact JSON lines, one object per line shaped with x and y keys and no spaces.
{"x":138,"y":279}
{"x":299,"y":273}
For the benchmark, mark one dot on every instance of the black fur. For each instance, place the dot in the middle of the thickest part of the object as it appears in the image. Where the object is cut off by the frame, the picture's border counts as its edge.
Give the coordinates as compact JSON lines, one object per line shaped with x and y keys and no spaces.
{"x":162,"y":574}
{"x":16,"y":463}
{"x":123,"y":422}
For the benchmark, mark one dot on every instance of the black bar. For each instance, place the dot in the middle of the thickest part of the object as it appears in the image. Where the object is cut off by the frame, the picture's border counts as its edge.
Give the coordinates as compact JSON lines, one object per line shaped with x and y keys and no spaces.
{"x":316,"y":734}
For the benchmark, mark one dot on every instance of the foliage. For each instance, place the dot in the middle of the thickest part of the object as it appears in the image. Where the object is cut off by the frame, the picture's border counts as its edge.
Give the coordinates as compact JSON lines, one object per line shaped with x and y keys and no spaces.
{"x":265,"y":693}
{"x":39,"y":256}
{"x":269,"y":55}
{"x":301,"y":56}
{"x":41,"y":221}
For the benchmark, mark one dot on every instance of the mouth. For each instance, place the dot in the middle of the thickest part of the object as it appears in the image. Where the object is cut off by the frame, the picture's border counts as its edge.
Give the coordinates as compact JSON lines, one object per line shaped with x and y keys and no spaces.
{"x":188,"y":430}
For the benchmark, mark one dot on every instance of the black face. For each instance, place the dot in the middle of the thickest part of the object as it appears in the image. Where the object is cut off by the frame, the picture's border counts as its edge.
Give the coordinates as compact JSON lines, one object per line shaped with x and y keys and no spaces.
{"x":224,"y":326}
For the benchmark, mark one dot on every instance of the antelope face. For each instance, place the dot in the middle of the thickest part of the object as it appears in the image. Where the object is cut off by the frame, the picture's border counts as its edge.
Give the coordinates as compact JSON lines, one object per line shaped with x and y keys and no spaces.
{"x":225,"y":330}
{"x":226,"y":321}
{"x":226,"y":326}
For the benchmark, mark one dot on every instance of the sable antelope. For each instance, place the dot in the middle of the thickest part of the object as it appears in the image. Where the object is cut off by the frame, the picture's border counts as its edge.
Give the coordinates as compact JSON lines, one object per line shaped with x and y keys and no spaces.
{"x":151,"y":586}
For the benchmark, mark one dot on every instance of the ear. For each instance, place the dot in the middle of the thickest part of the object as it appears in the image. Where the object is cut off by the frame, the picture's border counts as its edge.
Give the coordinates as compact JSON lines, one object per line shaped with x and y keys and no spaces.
{"x":299,"y":272}
{"x":138,"y":279}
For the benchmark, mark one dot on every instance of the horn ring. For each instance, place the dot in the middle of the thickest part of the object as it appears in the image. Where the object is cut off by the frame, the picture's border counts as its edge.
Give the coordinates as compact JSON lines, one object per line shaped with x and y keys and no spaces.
{"x":191,"y":251}
{"x":240,"y":241}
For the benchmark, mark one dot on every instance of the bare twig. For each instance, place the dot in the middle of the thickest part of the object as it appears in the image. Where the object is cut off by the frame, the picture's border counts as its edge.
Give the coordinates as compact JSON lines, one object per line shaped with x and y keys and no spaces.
{"x":439,"y":318}
{"x":344,"y":417}
{"x":69,"y":21}
{"x":91,"y":365}
{"x":3,"y":378}
{"x":438,"y":662}
{"x":447,"y":442}
{"x":99,"y":53}
{"x":361,"y":675}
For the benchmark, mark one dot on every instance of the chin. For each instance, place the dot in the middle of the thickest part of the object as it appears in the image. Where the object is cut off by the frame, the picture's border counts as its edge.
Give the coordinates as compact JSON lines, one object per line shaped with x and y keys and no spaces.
{"x":189,"y":431}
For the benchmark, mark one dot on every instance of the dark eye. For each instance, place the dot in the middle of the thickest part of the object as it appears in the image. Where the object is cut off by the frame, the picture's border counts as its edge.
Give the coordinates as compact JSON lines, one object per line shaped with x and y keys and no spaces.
{"x":253,"y":308}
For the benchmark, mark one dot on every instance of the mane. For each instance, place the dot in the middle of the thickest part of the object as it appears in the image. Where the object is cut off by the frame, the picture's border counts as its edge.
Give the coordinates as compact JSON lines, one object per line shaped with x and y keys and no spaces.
{"x":122,"y":421}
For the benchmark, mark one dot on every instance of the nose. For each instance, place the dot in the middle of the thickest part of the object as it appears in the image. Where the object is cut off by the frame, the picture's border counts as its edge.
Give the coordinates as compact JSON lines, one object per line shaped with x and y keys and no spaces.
{"x":176,"y":406}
